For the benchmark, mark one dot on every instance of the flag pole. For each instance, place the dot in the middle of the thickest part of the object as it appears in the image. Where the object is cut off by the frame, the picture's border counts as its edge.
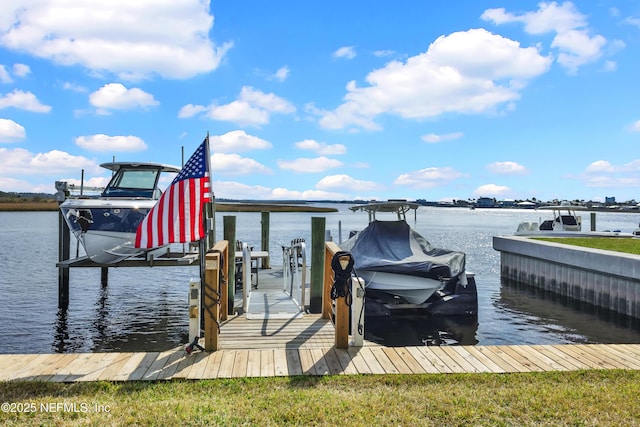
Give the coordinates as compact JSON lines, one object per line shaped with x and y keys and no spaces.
{"x":211,"y":205}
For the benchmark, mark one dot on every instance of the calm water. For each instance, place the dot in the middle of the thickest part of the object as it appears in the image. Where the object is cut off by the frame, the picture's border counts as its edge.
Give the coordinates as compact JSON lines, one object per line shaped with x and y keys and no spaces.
{"x":144,"y":309}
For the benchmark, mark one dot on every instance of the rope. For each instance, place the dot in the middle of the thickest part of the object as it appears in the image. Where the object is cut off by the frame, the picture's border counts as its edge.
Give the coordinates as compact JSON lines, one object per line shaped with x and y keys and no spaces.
{"x":342,"y":277}
{"x":206,"y":287}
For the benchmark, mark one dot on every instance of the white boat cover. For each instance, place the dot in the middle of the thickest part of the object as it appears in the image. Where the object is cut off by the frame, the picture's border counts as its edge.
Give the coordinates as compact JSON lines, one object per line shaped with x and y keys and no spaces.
{"x":394,"y":247}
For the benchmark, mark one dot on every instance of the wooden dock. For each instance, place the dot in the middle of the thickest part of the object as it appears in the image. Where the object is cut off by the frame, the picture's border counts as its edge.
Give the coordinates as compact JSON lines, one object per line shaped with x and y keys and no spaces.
{"x":303,"y":344}
{"x":290,"y":359}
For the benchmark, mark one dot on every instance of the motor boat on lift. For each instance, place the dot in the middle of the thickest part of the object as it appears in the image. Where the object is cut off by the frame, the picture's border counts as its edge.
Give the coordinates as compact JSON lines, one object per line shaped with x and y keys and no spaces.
{"x":564,"y":222}
{"x":401,"y":267}
{"x":106,"y":225}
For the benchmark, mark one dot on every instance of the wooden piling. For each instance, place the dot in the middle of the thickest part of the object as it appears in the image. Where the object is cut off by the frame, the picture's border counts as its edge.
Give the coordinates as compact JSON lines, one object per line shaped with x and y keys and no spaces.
{"x":265,"y":262}
{"x":593,"y":221}
{"x":317,"y":264}
{"x":340,"y":315}
{"x":229,"y":234}
{"x":64,"y":239}
{"x":210,"y":301}
{"x":104,"y":276}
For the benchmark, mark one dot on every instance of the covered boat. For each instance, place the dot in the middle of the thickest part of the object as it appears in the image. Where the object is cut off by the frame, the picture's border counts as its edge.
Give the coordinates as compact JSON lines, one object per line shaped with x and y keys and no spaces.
{"x":402,"y":265}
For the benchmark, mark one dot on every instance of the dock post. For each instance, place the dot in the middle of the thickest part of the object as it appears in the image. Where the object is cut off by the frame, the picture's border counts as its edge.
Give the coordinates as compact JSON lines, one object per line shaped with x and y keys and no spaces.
{"x":212,"y":308}
{"x":265,"y":262}
{"x":104,"y":276}
{"x":229,"y":234}
{"x":63,"y":255}
{"x":317,"y":264}
{"x":357,"y":307}
{"x":593,"y":221}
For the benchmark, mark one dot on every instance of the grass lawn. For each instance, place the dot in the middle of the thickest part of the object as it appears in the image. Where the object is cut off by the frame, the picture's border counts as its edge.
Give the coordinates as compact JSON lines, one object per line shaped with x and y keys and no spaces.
{"x":582,"y":398}
{"x":618,"y":244}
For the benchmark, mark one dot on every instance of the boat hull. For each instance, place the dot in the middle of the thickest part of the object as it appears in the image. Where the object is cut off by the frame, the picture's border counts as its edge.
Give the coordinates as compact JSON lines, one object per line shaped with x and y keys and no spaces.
{"x":412,"y":289}
{"x":106,"y":228}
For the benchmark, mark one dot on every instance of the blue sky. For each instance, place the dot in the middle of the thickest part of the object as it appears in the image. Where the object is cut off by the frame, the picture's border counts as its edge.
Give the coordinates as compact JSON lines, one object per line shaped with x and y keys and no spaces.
{"x":328,"y":100}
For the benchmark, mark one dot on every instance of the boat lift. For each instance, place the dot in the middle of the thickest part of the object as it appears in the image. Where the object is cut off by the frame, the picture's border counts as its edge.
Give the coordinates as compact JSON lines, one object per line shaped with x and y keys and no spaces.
{"x":400,"y":207}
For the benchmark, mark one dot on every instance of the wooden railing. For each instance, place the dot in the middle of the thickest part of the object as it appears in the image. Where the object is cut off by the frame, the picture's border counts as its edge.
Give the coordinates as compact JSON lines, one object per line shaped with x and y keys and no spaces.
{"x":340,"y":318}
{"x":215,"y":292}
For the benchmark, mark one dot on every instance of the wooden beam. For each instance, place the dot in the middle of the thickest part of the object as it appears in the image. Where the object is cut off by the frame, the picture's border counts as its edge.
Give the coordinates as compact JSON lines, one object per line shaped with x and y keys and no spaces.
{"x":210,"y":301}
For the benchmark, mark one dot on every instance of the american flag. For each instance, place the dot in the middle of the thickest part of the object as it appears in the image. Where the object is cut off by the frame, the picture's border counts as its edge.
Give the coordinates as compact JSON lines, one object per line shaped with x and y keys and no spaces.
{"x":177,"y":217}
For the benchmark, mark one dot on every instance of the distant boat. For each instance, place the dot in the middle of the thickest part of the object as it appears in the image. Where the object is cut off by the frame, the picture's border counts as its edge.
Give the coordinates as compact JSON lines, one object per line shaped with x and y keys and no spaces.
{"x":401,"y":265}
{"x":564,"y":222}
{"x":106,"y":226}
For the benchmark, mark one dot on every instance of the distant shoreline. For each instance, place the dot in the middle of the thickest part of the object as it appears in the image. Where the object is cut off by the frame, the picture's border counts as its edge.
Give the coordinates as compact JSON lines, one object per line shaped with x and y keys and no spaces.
{"x":220,"y":207}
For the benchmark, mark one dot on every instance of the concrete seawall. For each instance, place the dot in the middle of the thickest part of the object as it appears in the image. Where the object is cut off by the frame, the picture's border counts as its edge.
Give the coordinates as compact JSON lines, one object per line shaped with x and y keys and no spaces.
{"x":606,"y":279}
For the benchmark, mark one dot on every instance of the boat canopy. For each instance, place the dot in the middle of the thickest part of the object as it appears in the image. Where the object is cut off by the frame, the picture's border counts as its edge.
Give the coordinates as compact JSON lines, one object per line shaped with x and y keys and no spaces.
{"x":135,"y":180}
{"x":399,"y":207}
{"x":394,"y":247}
{"x":115,"y":166}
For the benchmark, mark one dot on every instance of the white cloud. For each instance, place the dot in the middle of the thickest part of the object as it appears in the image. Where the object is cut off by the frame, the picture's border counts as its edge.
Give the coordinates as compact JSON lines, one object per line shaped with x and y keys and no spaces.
{"x":74,"y":87}
{"x":116,"y":96}
{"x":345,"y":182}
{"x":282,"y":74}
{"x":21,"y":70}
{"x":575,"y":45}
{"x":286,"y":194}
{"x":491,"y":190}
{"x":4,"y":75}
{"x":468,"y":72}
{"x":307,"y":165}
{"x":105,"y":143}
{"x":23,"y":101}
{"x":321,"y":148}
{"x":346,"y":52}
{"x":11,"y":131}
{"x":237,"y":141}
{"x":604,"y":174}
{"x":19,"y":161}
{"x":428,"y":177}
{"x":132,"y":40}
{"x":507,"y":168}
{"x":635,"y":127}
{"x":236,"y":190}
{"x":233,"y":164}
{"x":383,"y":53}
{"x":600,"y":166}
{"x":433,"y":138}
{"x":191,"y":110}
{"x":253,"y":107}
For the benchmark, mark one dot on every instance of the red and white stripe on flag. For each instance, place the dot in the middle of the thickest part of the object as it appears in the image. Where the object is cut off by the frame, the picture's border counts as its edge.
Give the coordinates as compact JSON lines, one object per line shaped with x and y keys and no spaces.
{"x":177,"y":217}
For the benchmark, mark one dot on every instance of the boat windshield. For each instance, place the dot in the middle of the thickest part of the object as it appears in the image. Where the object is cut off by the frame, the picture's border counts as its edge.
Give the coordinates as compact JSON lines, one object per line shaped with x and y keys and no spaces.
{"x":133,"y":183}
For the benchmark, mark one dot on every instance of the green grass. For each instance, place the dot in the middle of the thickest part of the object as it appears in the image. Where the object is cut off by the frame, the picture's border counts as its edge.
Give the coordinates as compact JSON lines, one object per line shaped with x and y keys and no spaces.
{"x":618,"y":244}
{"x":582,"y":398}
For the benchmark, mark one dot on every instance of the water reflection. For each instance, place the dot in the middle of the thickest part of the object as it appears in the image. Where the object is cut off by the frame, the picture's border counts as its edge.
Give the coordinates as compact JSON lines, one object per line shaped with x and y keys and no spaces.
{"x":420,"y":329}
{"x":564,"y":319}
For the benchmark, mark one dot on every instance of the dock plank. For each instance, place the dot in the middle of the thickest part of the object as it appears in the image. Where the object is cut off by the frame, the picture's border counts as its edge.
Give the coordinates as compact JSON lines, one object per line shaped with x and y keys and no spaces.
{"x":253,"y":364}
{"x":319,"y":363}
{"x":240,"y":364}
{"x":359,"y":363}
{"x":211,"y":371}
{"x":280,"y":363}
{"x":306,"y":361}
{"x":171,"y":366}
{"x":479,"y":361}
{"x":462,"y":362}
{"x":448,"y":364}
{"x":267,"y":363}
{"x":348,"y":366}
{"x":371,"y":360}
{"x":398,"y":359}
{"x":294,"y":367}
